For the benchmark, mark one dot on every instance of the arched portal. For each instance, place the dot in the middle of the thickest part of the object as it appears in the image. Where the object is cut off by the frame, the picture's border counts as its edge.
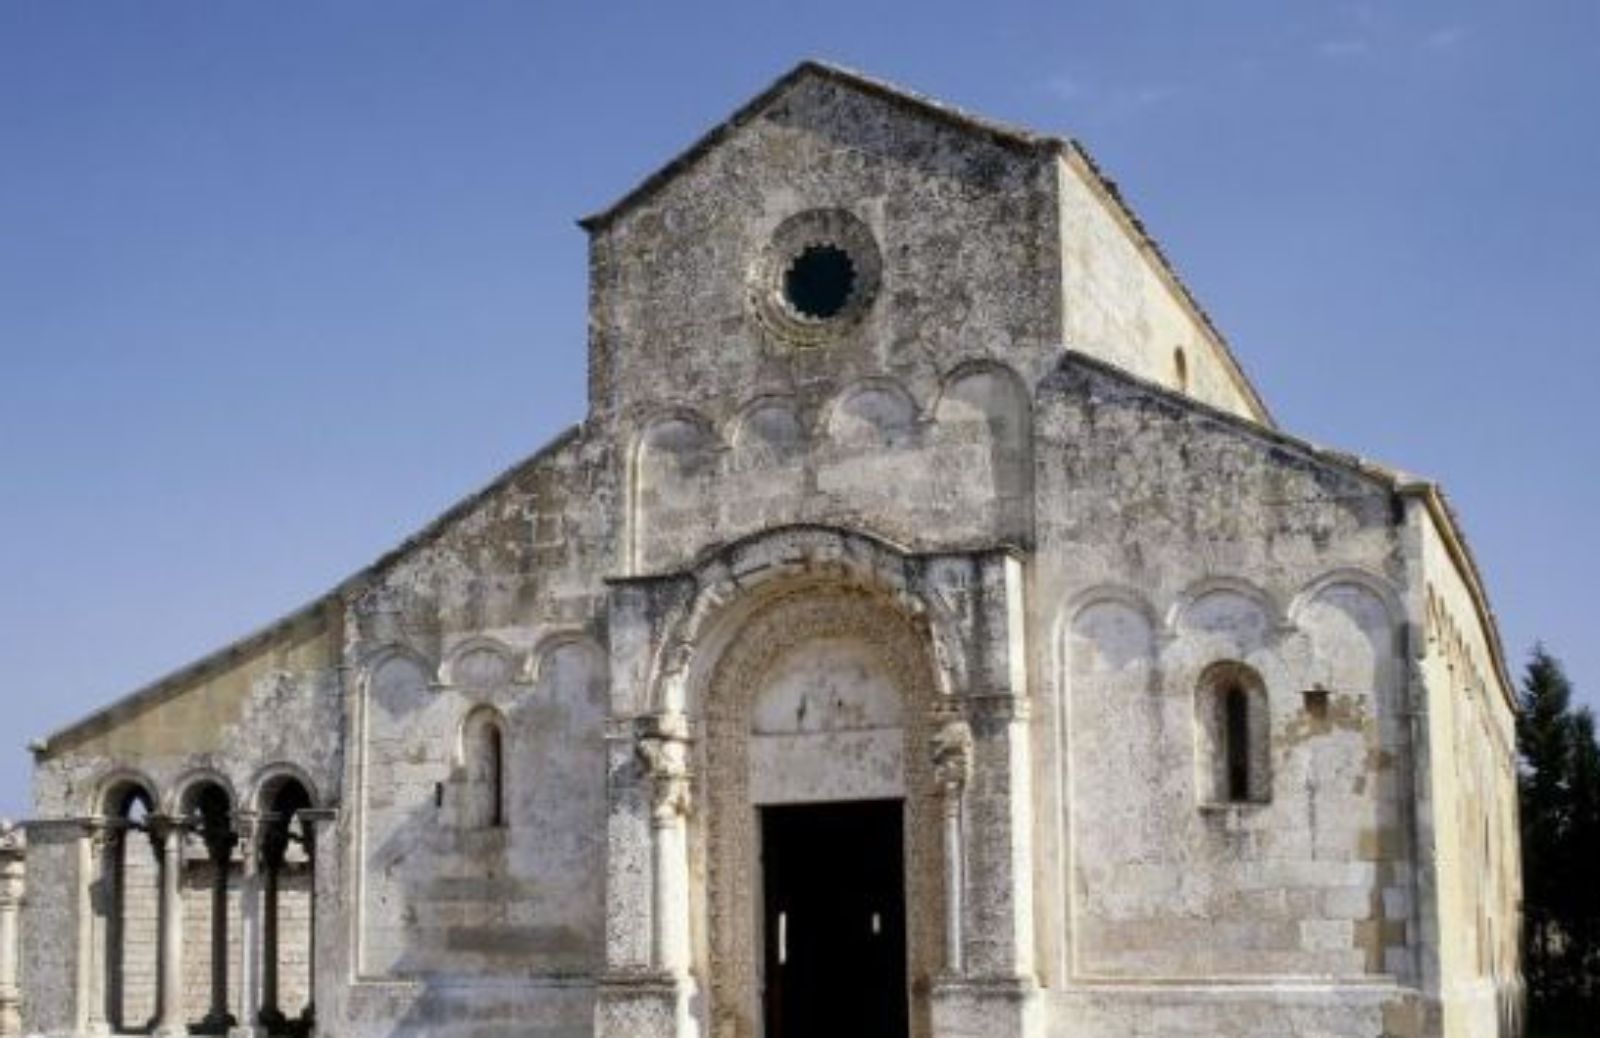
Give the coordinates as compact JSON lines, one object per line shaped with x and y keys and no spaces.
{"x":818,"y":805}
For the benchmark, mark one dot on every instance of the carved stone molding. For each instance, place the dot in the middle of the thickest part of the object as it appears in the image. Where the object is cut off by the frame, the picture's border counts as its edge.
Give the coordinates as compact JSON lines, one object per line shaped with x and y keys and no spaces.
{"x":663,"y":748}
{"x":951,"y":746}
{"x":991,"y":709}
{"x":13,"y":839}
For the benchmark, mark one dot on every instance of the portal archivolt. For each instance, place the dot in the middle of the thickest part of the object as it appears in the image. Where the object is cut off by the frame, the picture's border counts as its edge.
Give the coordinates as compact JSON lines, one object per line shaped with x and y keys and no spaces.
{"x":823,"y":693}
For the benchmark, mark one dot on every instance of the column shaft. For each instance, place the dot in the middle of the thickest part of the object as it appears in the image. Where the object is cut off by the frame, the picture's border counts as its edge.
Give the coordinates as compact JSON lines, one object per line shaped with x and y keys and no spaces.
{"x":954,"y":883}
{"x":97,"y":904}
{"x":168,"y":834}
{"x":12,"y":874}
{"x":249,"y":933}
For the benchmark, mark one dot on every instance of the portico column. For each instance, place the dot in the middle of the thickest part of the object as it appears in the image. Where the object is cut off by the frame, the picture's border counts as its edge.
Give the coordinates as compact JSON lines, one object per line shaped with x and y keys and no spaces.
{"x":248,"y":825}
{"x":219,"y":840}
{"x":99,"y":843}
{"x":13,"y":849}
{"x":952,"y":769}
{"x":167,"y":834}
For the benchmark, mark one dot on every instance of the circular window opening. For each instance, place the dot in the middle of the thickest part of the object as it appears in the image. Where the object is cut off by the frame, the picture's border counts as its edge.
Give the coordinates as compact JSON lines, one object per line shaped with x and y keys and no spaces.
{"x":819,"y":281}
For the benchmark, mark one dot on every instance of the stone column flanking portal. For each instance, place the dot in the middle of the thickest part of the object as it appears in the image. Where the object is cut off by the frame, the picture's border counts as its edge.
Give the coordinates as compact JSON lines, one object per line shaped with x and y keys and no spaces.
{"x":995,"y":991}
{"x":167,"y":835}
{"x":13,"y":851}
{"x":664,"y":753}
{"x":952,"y":771}
{"x":647,"y":989}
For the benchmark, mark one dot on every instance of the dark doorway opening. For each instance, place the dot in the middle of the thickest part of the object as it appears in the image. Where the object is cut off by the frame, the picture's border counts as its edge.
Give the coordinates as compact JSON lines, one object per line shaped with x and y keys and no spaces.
{"x":834,"y":877}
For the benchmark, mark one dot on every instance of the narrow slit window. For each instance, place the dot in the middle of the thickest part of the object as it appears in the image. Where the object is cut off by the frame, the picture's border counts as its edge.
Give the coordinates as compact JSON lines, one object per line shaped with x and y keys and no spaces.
{"x":495,"y":748}
{"x":1234,"y":736}
{"x":1237,"y":739}
{"x":483,"y":802}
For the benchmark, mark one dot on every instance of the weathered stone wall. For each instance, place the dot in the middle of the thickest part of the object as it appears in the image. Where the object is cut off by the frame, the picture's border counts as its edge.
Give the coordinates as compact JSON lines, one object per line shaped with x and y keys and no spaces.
{"x":965,"y":226}
{"x":463,"y":926}
{"x":1171,"y":539}
{"x":731,"y":427}
{"x":51,"y":915}
{"x":1471,"y":798}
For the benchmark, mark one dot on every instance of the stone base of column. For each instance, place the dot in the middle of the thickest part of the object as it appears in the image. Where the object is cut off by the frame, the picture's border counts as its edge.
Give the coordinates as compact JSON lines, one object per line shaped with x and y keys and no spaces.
{"x":10,"y":1016}
{"x":245,"y":1031}
{"x":646,"y":1005}
{"x":988,"y":1007}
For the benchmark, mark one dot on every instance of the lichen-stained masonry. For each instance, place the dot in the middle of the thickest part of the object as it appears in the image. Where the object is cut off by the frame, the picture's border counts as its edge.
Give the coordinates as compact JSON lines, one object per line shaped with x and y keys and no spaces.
{"x":911,"y":474}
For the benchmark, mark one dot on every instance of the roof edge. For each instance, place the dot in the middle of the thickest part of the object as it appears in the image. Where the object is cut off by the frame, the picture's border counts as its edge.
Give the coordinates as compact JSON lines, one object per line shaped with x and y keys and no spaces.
{"x":1112,"y":195}
{"x":998,"y":132}
{"x":1433,"y":498}
{"x":1389,"y":477}
{"x":177,"y":681}
{"x":1399,"y":482}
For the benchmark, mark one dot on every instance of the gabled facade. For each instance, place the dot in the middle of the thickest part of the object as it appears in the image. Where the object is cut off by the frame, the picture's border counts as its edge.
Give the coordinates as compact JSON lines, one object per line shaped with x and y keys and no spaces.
{"x":927,"y":633}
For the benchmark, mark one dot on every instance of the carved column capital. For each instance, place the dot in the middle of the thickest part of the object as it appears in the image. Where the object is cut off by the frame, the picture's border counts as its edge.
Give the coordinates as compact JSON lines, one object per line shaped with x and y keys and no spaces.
{"x":13,"y":864}
{"x":102,"y":833}
{"x":13,"y":839}
{"x":951,"y":749}
{"x":164,"y":829}
{"x":663,"y":750}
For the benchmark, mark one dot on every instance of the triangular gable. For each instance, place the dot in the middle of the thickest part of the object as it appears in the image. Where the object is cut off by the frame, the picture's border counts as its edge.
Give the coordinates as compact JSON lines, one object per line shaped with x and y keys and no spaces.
{"x":989,"y":130}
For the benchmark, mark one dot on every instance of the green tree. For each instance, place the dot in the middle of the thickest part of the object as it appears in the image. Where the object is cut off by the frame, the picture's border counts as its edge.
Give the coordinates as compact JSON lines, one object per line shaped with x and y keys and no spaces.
{"x":1559,"y":787}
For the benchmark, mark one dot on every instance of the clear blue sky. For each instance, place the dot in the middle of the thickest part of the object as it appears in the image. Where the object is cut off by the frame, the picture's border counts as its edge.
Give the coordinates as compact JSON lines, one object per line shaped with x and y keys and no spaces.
{"x":279,"y":282}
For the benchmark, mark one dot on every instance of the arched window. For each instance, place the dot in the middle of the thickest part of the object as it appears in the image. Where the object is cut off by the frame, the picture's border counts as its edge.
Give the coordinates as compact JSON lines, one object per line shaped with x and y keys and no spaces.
{"x":207,"y":812}
{"x":128,"y":902}
{"x":288,"y":909}
{"x":483,"y":751}
{"x":1235,"y":735}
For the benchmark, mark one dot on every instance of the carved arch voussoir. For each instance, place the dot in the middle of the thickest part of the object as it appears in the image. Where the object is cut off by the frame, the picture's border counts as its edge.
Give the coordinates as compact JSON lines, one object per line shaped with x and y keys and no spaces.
{"x":119,"y":778}
{"x":743,"y":573}
{"x":191,"y":781}
{"x":262,"y":782}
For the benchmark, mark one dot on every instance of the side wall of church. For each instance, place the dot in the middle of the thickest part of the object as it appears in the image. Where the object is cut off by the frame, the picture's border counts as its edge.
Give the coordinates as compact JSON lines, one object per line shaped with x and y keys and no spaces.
{"x":1471,"y":799}
{"x":1172,"y":542}
{"x":475,"y":830}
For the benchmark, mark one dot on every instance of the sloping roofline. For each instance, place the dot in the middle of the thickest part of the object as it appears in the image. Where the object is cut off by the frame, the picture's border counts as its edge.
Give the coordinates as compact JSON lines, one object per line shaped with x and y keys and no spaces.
{"x":1403,"y":484}
{"x":176,"y":682}
{"x":1006,"y":135}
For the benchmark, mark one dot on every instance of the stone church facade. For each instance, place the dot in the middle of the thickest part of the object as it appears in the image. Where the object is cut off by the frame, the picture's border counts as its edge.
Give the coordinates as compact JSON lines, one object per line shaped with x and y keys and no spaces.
{"x":928,"y":633}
